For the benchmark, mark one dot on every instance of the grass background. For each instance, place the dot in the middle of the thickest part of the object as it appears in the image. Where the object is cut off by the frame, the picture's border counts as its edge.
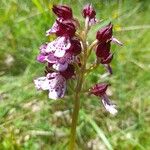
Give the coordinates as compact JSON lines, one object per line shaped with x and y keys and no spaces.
{"x":30,"y":121}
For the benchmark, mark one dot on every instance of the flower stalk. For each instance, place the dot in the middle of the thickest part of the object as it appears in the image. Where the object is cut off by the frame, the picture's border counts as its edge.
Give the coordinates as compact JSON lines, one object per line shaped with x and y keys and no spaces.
{"x":75,"y":112}
{"x":78,"y":91}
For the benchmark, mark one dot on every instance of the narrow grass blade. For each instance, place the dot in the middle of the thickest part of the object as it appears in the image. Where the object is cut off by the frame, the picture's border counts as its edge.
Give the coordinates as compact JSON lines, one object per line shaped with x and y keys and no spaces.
{"x":98,"y":131}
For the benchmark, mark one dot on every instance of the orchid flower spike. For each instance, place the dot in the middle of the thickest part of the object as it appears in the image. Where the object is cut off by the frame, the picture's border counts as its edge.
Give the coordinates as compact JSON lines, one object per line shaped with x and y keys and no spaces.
{"x":65,"y":58}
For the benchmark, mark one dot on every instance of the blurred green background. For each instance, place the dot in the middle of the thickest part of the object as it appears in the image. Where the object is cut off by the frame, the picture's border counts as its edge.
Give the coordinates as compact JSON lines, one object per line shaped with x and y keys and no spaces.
{"x":30,"y":121}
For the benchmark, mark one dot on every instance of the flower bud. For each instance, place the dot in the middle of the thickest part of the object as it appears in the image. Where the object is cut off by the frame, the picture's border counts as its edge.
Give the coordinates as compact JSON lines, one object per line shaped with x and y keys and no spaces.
{"x":103,"y":49}
{"x":88,"y":11}
{"x":104,"y":34}
{"x":107,"y":60}
{"x":62,"y":11}
{"x":75,"y":48}
{"x":66,"y":28}
{"x":69,"y":72}
{"x":99,"y":89}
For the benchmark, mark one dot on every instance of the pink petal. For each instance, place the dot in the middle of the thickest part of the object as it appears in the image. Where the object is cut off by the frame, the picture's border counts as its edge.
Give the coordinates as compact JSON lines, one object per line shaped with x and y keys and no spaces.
{"x":62,"y":46}
{"x":41,"y":58}
{"x":93,"y":21}
{"x":60,"y":67}
{"x":43,"y":48}
{"x":59,"y":53}
{"x":54,"y":82}
{"x":42,"y":83}
{"x":54,"y":28}
{"x":51,"y":58}
{"x":52,"y":75}
{"x":58,"y":46}
{"x":57,"y":90}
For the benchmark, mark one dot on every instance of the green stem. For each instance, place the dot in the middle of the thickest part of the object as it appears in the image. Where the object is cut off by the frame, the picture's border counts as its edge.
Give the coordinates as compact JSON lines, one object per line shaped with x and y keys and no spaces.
{"x":76,"y":106}
{"x":78,"y":89}
{"x":75,"y":113}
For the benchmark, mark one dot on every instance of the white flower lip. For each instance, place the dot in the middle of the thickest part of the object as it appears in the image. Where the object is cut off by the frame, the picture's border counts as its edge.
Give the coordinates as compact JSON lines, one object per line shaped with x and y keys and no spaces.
{"x":60,"y":67}
{"x":54,"y":83}
{"x":111,"y":108}
{"x":41,"y":83}
{"x":58,"y":46}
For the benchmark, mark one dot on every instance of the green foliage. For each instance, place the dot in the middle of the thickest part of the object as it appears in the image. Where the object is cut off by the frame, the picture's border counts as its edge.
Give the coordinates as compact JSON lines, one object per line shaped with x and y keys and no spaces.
{"x":30,"y":121}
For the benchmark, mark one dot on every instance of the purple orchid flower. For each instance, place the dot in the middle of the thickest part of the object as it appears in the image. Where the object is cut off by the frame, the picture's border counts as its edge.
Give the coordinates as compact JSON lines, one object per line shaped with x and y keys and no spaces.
{"x":62,"y":11}
{"x":62,"y":28}
{"x":58,"y":47}
{"x":65,"y":56}
{"x":105,"y":35}
{"x":100,"y":91}
{"x":104,"y":56}
{"x":62,"y":54}
{"x":54,"y":83}
{"x":89,"y":13}
{"x":54,"y":29}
